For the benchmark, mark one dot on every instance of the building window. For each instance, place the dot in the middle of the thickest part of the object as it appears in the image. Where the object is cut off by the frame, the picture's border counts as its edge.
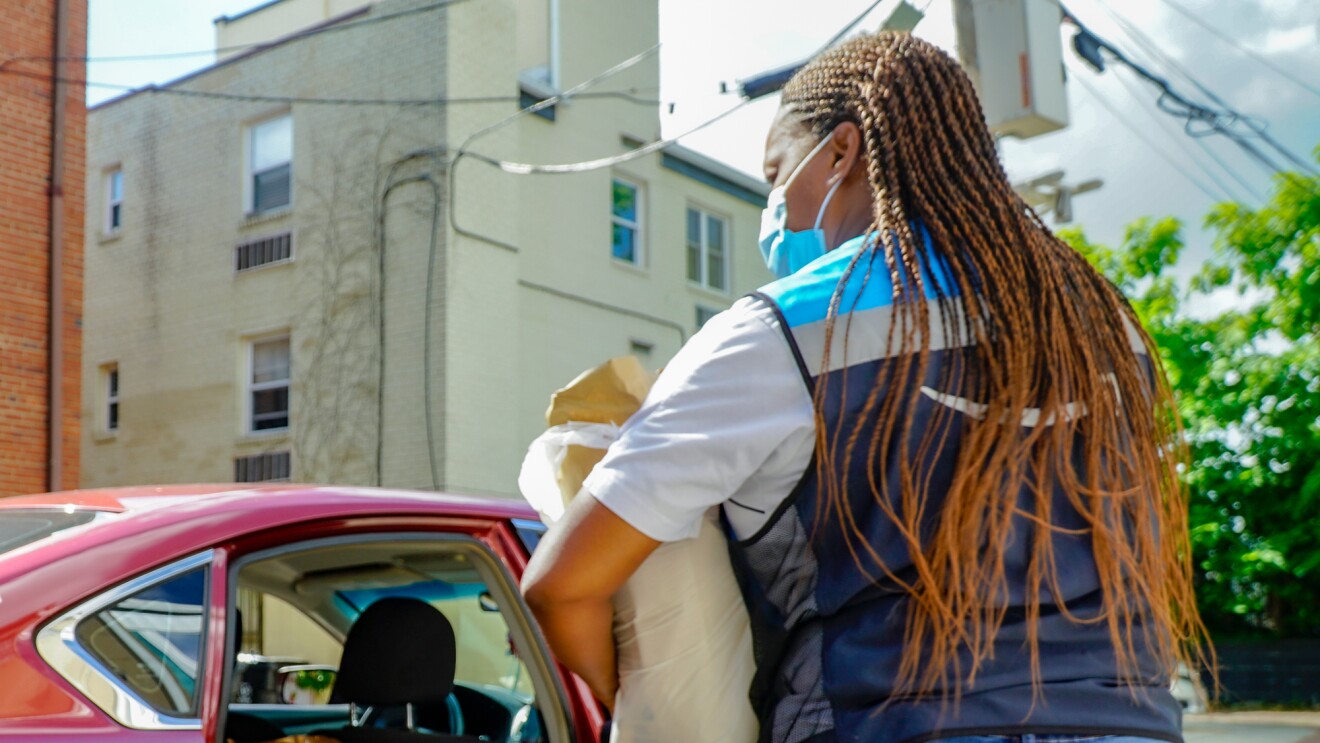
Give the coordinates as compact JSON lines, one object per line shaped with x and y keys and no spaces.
{"x":263,"y":252}
{"x":705,"y":314}
{"x":265,"y":467}
{"x":641,"y":349}
{"x":268,"y":386}
{"x":114,"y":201}
{"x":626,"y":221}
{"x":707,"y":252}
{"x":112,"y":397}
{"x":270,"y":164}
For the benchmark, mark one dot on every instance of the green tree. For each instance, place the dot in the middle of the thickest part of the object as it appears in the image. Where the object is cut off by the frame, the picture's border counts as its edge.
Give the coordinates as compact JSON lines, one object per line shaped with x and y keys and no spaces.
{"x":1241,"y":344}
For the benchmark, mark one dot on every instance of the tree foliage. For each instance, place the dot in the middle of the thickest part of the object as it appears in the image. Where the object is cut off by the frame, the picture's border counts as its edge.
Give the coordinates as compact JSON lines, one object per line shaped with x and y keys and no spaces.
{"x":1241,"y":344}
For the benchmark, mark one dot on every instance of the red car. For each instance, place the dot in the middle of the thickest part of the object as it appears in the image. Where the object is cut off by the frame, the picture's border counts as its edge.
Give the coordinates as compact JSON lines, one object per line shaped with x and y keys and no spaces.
{"x":214,"y":613}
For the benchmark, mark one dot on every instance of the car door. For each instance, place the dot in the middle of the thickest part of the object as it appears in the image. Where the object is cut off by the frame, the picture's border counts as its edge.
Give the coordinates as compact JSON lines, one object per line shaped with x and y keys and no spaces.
{"x":284,"y":603}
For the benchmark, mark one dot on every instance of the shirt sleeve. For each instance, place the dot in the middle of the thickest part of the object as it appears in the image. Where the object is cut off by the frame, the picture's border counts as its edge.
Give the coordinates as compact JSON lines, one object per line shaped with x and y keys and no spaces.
{"x":729,"y":398}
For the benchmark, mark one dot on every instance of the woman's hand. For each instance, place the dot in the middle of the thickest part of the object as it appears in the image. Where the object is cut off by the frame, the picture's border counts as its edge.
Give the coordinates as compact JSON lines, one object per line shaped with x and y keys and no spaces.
{"x":577,"y":569}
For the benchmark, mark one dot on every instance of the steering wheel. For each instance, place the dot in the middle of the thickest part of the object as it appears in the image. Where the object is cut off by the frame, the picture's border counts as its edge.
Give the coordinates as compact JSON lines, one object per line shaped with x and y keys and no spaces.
{"x":394,"y":718}
{"x":526,"y":726}
{"x":455,"y":714}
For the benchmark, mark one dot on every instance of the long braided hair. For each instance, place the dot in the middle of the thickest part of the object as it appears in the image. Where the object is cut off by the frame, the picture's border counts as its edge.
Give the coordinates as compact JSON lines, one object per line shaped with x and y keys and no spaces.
{"x":1042,"y":330}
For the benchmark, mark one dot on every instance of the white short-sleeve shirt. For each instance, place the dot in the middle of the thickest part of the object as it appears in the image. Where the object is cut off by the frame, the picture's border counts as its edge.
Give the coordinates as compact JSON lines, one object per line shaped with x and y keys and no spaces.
{"x":729,"y":422}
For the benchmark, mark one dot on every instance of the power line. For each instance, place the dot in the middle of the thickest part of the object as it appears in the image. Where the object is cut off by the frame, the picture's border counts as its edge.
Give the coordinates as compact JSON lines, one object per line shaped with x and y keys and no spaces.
{"x":1142,"y":136}
{"x":1155,"y":54}
{"x":170,"y":89}
{"x":305,"y":33}
{"x":1182,"y":10}
{"x":1171,"y":101}
{"x":517,"y":168}
{"x":1182,"y":145}
{"x":851,"y":25}
{"x":625,"y":95}
{"x":463,"y":151}
{"x":1258,"y":128}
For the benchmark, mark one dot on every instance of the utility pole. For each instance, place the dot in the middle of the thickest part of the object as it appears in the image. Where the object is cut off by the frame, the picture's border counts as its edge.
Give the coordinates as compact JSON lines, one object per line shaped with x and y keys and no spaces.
{"x":1049,"y":194}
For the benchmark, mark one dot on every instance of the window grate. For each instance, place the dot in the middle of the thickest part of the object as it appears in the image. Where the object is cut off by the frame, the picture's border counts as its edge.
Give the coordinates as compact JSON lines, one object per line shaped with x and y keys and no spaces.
{"x":263,"y":252}
{"x":263,"y":467}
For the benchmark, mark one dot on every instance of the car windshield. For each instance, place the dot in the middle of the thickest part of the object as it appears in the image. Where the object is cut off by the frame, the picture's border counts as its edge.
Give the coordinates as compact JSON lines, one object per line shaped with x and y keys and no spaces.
{"x":19,"y":527}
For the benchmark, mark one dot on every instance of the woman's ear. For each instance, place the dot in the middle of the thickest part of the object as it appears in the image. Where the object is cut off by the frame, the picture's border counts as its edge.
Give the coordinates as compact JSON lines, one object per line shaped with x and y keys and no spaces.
{"x":845,"y":149}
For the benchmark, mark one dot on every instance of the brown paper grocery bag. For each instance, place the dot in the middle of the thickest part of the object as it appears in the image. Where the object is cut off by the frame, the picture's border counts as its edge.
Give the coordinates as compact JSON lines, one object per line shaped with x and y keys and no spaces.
{"x":610,"y":393}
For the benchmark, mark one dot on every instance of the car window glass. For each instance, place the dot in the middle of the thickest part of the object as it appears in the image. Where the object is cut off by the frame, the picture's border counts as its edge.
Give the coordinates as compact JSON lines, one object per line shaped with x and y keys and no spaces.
{"x":298,"y":607}
{"x":18,"y":528}
{"x":152,"y":641}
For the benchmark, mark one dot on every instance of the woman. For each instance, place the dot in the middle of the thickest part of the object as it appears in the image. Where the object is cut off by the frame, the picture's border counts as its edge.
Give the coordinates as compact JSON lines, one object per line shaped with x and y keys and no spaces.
{"x":941,"y":444}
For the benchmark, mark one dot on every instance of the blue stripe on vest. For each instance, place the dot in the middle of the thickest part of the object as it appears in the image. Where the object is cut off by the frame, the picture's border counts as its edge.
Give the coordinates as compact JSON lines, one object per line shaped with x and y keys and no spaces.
{"x":805,"y":296}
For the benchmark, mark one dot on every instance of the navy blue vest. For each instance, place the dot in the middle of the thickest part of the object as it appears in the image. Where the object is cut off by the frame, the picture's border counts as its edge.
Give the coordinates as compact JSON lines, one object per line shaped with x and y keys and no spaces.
{"x":829,"y":638}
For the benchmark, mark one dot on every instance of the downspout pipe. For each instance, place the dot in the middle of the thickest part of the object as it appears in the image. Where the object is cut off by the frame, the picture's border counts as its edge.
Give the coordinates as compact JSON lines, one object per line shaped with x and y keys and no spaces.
{"x":55,"y":365}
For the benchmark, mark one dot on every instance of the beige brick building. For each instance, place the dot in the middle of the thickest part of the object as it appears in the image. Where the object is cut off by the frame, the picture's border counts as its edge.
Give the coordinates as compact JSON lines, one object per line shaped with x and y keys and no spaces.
{"x":281,"y":285}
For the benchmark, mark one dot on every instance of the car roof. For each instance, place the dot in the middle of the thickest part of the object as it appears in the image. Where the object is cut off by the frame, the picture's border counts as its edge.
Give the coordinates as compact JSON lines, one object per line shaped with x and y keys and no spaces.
{"x":220,"y":497}
{"x":152,"y":524}
{"x":184,"y":515}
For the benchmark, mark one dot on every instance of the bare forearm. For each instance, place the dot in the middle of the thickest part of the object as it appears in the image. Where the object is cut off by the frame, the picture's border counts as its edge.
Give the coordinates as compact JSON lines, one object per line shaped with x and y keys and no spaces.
{"x":580,"y":634}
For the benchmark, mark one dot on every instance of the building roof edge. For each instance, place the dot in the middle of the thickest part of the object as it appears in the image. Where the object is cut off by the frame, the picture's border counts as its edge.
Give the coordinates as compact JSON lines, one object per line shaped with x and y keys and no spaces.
{"x":253,"y":51}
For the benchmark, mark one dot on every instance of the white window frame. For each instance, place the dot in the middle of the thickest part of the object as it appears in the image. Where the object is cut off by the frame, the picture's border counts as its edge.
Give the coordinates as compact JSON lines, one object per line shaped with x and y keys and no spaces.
{"x":638,"y":225}
{"x":703,"y":281}
{"x":250,"y":387}
{"x":109,"y":227}
{"x":250,"y":173}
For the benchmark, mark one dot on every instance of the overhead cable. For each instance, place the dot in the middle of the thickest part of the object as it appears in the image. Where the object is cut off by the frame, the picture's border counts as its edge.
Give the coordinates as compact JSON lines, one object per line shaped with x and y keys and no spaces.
{"x":518,"y":168}
{"x":1211,"y":121}
{"x":305,"y":33}
{"x":1100,"y":98}
{"x":1182,"y":10}
{"x":1258,"y":127}
{"x":625,"y":95}
{"x":575,"y":91}
{"x":1181,"y":143}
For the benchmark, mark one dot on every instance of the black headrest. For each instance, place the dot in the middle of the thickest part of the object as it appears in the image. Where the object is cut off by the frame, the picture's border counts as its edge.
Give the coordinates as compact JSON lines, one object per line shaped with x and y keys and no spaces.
{"x":399,"y":651}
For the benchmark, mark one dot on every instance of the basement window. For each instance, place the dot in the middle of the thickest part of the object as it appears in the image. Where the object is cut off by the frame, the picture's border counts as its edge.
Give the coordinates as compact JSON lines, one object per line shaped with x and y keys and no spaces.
{"x":265,"y":467}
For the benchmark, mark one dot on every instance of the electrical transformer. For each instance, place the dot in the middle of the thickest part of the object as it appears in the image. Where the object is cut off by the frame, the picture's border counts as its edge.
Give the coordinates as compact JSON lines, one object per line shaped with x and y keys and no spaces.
{"x":1013,"y":51}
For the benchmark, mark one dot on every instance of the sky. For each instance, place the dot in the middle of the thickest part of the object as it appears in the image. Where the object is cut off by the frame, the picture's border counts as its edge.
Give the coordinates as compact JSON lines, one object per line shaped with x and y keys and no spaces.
{"x":1148,"y":166}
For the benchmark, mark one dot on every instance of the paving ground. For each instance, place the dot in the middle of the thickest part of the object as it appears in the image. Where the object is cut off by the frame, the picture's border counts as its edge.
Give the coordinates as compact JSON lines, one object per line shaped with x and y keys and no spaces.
{"x":1253,"y":727}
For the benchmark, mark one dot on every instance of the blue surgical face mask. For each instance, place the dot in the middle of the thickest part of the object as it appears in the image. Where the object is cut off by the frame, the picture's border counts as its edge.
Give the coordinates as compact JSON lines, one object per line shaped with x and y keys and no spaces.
{"x":784,"y":250}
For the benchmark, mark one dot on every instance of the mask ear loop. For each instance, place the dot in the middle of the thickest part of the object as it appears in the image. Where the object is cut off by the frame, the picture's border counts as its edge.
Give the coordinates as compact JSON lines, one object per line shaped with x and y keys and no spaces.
{"x":820,"y":216}
{"x":810,"y":156}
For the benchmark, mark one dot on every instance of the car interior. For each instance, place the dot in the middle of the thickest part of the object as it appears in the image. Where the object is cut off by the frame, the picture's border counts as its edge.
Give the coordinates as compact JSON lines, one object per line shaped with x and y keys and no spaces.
{"x":376,"y":640}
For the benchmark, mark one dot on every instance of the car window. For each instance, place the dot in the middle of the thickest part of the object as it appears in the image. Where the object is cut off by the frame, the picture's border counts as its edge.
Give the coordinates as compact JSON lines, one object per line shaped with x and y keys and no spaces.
{"x":277,"y":635}
{"x":485,"y":655}
{"x":152,"y":641}
{"x":298,"y":607}
{"x":23,"y":527}
{"x":529,"y":532}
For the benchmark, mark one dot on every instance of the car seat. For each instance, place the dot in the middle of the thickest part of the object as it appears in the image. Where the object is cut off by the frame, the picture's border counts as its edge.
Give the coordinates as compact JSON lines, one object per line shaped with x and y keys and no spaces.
{"x":400,"y":652}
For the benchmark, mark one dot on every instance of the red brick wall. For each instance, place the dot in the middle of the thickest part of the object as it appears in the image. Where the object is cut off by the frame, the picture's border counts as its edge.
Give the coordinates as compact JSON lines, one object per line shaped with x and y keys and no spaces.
{"x":26,"y":90}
